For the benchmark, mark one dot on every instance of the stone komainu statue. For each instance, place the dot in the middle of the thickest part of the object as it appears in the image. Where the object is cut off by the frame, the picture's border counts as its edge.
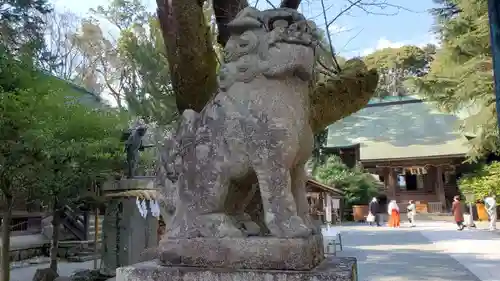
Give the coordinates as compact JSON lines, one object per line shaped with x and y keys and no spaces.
{"x":237,"y":167}
{"x":258,"y":124}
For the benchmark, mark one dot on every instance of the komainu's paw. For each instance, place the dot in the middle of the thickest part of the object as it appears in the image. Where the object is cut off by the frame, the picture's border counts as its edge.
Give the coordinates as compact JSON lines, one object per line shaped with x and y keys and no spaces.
{"x":294,"y":227}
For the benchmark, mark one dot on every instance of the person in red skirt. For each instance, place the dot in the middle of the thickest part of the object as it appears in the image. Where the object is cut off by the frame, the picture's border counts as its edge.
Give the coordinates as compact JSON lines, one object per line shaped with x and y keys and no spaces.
{"x":393,"y":210}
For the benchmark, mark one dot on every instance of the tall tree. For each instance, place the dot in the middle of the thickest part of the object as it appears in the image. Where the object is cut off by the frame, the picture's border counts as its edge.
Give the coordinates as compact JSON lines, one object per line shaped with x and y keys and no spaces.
{"x":22,"y":23}
{"x":134,"y":67}
{"x":81,"y":147}
{"x":99,"y":68}
{"x":395,"y":65}
{"x":460,"y":77}
{"x":71,"y":58}
{"x":21,"y":38}
{"x":21,"y":136}
{"x":148,"y":91}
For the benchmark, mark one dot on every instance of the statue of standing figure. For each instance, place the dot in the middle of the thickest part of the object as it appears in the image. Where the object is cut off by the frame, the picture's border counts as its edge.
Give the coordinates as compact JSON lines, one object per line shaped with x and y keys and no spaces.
{"x":132,"y":146}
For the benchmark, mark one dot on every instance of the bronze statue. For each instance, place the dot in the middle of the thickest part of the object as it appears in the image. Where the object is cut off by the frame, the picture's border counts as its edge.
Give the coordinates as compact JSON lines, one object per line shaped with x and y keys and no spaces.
{"x":132,"y":147}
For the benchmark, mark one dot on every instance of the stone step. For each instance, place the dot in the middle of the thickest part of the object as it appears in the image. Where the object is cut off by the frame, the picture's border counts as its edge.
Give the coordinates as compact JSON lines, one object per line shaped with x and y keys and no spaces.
{"x":83,"y":258}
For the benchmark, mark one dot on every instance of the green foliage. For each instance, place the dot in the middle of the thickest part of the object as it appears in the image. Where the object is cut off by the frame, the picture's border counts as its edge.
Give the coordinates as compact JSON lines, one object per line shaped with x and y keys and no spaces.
{"x":81,"y":147}
{"x":148,"y":92}
{"x":320,"y":140}
{"x":486,"y":179}
{"x":460,"y":76}
{"x":395,"y":65}
{"x":21,"y":24}
{"x":134,"y":68}
{"x":48,"y":138}
{"x":358,"y":186}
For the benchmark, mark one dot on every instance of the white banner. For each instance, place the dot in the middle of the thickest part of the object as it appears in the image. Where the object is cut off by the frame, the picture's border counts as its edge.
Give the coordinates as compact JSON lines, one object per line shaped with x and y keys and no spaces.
{"x":328,"y":209}
{"x":335,"y":204}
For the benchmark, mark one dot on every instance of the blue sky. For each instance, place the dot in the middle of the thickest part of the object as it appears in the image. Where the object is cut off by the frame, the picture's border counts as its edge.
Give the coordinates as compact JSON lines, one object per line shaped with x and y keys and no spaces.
{"x":354,"y":34}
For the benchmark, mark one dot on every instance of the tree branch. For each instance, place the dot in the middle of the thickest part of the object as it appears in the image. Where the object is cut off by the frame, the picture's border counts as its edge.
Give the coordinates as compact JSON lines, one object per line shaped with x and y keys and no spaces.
{"x":270,"y":4}
{"x":339,"y":14}
{"x":336,"y":64}
{"x":292,"y":4}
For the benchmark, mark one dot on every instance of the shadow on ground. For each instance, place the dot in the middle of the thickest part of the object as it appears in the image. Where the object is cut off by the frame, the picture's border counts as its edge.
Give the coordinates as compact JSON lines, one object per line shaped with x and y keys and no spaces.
{"x":401,"y":255}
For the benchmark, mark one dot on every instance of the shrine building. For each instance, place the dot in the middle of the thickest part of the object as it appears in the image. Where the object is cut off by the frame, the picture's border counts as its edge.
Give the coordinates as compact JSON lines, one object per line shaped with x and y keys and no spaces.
{"x":414,"y":149}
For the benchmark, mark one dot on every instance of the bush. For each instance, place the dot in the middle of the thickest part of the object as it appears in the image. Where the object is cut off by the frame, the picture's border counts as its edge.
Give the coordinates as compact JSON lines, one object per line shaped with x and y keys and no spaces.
{"x":359,"y":187}
{"x":483,"y":181}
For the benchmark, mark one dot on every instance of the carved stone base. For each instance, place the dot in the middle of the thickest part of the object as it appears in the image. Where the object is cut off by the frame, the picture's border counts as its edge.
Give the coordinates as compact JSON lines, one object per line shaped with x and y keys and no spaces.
{"x":331,"y":269}
{"x":243,"y":253}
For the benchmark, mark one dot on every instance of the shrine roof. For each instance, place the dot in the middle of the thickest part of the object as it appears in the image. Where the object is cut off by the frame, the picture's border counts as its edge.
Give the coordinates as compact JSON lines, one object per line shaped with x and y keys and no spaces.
{"x":399,"y":128}
{"x":86,"y":97}
{"x":325,"y":187}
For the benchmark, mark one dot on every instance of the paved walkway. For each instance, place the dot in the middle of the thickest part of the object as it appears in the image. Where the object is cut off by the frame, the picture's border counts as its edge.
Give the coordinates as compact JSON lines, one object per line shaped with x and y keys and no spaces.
{"x":478,"y":250}
{"x":65,"y":269}
{"x":432,"y":251}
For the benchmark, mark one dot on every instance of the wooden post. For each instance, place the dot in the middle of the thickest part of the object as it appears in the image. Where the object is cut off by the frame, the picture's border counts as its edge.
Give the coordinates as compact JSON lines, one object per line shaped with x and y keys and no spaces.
{"x":386,"y":174}
{"x":96,"y":227}
{"x":440,"y":187}
{"x":392,"y":181}
{"x":328,"y":208}
{"x":86,"y":225}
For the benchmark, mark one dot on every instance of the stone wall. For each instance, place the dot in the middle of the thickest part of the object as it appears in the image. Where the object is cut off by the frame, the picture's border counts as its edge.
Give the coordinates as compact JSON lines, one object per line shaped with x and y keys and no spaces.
{"x":24,"y":254}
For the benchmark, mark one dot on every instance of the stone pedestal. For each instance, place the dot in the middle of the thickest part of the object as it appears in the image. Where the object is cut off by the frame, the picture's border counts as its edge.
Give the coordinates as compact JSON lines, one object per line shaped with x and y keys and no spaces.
{"x":126,"y":233}
{"x":241,"y":259}
{"x":331,"y":269}
{"x":243,"y":253}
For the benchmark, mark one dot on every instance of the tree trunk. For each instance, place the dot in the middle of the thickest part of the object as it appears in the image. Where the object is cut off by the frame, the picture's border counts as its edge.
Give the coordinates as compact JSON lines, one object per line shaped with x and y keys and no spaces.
{"x":292,"y":4}
{"x":191,"y":56}
{"x":225,"y":11}
{"x":56,"y":222}
{"x":6,"y":220}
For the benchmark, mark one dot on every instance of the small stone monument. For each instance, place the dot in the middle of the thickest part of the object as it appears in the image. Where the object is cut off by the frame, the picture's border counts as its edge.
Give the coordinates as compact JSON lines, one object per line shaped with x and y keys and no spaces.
{"x":130,"y":222}
{"x":239,"y":167}
{"x":131,"y":218}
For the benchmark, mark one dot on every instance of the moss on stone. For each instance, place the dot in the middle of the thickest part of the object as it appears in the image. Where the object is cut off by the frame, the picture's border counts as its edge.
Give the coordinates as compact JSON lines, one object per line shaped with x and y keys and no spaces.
{"x":343,"y":95}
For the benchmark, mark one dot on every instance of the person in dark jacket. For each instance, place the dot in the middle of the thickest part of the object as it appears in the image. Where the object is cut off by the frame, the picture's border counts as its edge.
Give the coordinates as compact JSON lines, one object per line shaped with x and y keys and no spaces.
{"x":374,"y":209}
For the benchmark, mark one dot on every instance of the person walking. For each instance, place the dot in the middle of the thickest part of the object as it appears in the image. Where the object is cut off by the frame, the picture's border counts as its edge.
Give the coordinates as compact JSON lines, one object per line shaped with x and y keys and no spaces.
{"x":373,"y":215}
{"x":393,"y":211}
{"x":411,"y":212}
{"x":469,"y":219}
{"x":491,"y":209}
{"x":458,"y":213}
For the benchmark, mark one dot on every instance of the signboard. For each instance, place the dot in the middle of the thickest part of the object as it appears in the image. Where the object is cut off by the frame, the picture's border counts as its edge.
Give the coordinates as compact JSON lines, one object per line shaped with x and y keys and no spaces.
{"x":416,"y":170}
{"x":469,"y":197}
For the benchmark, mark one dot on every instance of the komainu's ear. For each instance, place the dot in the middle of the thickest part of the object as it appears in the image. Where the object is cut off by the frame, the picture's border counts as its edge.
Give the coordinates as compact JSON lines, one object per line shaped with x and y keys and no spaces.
{"x":247,"y":19}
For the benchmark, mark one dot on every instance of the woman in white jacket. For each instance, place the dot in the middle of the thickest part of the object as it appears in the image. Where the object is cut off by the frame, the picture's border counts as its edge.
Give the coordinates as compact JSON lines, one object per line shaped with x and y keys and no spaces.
{"x":411,"y":212}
